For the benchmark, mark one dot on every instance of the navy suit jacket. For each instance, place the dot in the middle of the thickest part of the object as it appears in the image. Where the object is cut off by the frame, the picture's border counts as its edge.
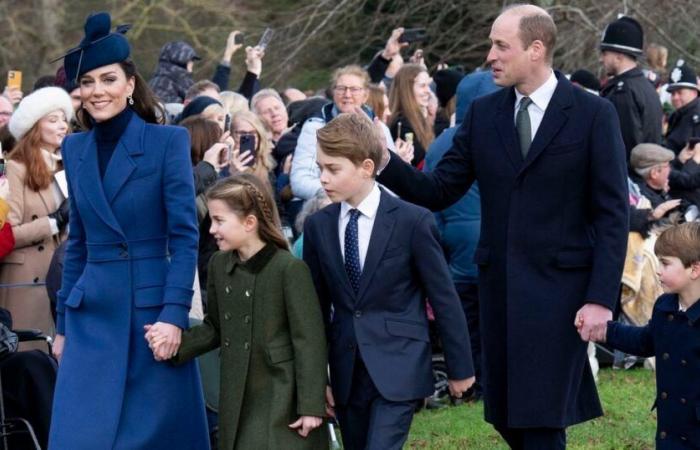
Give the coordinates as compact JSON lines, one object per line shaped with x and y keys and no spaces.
{"x":386,"y":321}
{"x":553,"y":237}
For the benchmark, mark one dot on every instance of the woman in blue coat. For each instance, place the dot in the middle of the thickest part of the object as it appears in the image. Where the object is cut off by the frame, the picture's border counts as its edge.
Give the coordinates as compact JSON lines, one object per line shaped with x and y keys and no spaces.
{"x":130,"y":261}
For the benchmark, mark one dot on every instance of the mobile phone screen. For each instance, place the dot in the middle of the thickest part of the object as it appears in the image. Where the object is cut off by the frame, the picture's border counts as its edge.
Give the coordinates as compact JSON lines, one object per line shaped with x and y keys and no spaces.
{"x":266,"y":38}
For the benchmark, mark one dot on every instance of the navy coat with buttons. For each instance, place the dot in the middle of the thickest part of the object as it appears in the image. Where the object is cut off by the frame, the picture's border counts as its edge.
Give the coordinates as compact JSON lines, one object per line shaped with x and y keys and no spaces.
{"x":130,"y":261}
{"x":673,"y":337}
{"x":386,"y":321}
{"x":553,"y":237}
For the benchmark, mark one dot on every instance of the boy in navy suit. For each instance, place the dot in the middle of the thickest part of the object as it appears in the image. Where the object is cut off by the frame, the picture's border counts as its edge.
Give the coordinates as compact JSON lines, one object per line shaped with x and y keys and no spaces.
{"x":673,"y":336}
{"x":374,"y":260}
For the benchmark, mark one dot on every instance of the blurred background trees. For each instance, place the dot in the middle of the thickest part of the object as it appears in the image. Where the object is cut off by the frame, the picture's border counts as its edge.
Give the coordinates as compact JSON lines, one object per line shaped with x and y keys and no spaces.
{"x":315,"y":36}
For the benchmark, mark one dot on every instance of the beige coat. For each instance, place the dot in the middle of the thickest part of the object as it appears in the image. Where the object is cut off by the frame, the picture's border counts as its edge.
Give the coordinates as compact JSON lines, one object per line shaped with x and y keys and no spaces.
{"x":29,"y":261}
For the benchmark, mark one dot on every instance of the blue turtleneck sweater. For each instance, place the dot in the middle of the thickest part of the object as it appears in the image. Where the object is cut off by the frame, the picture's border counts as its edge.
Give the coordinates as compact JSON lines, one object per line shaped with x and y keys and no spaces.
{"x":107,"y":135}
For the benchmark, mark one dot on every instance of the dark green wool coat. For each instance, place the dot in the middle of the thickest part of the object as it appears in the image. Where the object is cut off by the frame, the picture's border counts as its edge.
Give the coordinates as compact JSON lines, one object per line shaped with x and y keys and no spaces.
{"x":264,"y":315}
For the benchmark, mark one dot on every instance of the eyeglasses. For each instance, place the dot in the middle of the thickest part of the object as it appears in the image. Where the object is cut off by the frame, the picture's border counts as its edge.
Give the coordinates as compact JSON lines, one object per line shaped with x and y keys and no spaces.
{"x":343,"y":89}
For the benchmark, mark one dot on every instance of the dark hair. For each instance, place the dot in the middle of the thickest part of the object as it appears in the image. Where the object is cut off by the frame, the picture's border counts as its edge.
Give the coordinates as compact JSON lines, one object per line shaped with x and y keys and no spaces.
{"x":351,"y":136}
{"x":246,"y":195}
{"x":203,"y":134}
{"x":145,"y":103}
{"x":680,"y":241}
{"x":44,"y":81}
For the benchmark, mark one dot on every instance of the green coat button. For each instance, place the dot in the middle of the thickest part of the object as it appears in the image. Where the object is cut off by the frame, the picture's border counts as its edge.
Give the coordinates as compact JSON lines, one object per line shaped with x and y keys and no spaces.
{"x":246,"y":346}
{"x":246,"y":319}
{"x":227,"y":316}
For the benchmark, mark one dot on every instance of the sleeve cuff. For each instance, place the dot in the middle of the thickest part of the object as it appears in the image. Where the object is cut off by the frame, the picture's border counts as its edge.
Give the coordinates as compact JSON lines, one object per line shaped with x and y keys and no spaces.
{"x":60,"y":323}
{"x":175,"y":315}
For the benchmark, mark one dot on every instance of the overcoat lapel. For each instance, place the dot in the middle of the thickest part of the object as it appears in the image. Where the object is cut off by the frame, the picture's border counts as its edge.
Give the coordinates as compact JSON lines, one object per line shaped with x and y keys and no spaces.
{"x":121,"y":166}
{"x":381,"y":232}
{"x":90,"y":184}
{"x":555,"y":117}
{"x":505,"y":123}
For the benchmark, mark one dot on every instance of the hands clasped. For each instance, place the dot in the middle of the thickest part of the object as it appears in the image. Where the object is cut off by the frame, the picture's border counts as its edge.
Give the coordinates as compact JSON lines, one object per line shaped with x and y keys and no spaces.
{"x":592,"y":322}
{"x":163,"y":340}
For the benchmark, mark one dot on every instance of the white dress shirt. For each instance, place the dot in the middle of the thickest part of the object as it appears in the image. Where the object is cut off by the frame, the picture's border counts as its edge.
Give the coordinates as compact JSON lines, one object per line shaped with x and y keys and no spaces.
{"x":540,"y":100}
{"x":365,"y":222}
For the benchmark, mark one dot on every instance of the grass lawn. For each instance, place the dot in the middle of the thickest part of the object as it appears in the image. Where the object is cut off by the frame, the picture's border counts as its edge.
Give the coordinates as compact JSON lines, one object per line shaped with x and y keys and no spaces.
{"x":628,"y":423}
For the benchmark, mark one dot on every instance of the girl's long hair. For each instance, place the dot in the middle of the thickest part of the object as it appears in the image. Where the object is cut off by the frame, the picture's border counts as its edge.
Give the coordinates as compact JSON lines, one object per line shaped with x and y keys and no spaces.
{"x":245,"y":194}
{"x":28,"y":152}
{"x":145,"y":103}
{"x":203,"y":134}
{"x":402,"y":102}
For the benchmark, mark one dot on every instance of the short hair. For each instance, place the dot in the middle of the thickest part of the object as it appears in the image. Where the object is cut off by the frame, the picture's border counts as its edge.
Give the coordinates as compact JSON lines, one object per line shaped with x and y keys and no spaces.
{"x":202,"y":85}
{"x":234,"y":102}
{"x":352,"y":69}
{"x":262,"y":95}
{"x":680,"y":241}
{"x":352,"y":136}
{"x":535,"y":25}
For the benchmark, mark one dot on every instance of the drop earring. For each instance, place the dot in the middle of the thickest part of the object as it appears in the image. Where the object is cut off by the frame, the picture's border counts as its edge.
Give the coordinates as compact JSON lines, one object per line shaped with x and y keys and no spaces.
{"x":130,"y":99}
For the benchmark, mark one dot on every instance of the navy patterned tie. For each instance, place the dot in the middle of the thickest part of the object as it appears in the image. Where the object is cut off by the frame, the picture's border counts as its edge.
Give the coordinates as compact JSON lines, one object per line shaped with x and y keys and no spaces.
{"x":352,"y":251}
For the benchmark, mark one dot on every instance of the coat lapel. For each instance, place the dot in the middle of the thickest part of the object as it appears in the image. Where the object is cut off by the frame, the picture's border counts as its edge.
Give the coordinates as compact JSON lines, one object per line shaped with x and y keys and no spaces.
{"x":333,"y":216}
{"x":505,"y":123}
{"x":121,"y":166}
{"x":554,"y":119}
{"x":90,"y":184}
{"x":381,"y":232}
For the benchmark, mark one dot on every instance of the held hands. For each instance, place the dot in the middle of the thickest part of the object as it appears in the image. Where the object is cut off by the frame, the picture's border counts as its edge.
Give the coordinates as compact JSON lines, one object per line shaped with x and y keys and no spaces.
{"x":163,"y":339}
{"x":306,"y":424}
{"x":458,"y":387}
{"x":592,"y":322}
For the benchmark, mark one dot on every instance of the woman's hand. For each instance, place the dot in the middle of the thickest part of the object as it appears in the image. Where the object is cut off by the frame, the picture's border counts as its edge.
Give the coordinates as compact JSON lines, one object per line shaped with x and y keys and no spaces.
{"x":664,"y":207}
{"x":163,"y":339}
{"x":253,"y":59}
{"x":393,"y":46}
{"x":306,"y":424}
{"x":404,"y":150}
{"x":57,"y":348}
{"x":217,"y":156}
{"x":240,"y":162}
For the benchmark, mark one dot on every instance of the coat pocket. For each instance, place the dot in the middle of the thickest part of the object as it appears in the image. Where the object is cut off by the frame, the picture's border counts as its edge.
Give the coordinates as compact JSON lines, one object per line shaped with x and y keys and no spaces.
{"x":407,"y":329}
{"x":574,"y":259}
{"x":75,"y":298}
{"x":280,"y":354}
{"x":148,"y":297}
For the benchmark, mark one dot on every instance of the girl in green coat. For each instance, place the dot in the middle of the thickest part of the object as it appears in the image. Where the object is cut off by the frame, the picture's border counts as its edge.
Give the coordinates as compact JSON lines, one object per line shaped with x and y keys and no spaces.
{"x":264,"y":315}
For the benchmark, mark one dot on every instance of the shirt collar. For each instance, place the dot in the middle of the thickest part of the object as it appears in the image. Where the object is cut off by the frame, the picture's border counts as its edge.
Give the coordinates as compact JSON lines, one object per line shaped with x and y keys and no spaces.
{"x":368,"y":207}
{"x":542,"y":94}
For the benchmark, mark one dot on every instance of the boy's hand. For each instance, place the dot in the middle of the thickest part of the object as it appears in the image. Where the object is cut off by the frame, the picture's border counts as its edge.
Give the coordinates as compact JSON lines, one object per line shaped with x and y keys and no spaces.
{"x":330,"y":402}
{"x":163,"y":339}
{"x":306,"y":424}
{"x":458,"y":387}
{"x":592,"y":320}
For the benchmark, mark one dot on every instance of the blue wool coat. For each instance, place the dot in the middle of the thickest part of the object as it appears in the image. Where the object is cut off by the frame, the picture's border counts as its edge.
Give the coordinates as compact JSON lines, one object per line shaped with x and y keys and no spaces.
{"x":130,"y":261}
{"x":673,"y":337}
{"x":553,"y":237}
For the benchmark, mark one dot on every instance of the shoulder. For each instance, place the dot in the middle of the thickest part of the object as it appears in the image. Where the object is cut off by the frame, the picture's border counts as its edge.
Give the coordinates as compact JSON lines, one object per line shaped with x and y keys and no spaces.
{"x":406,"y":211}
{"x":167,"y":131}
{"x":15,"y":166}
{"x":666,"y":303}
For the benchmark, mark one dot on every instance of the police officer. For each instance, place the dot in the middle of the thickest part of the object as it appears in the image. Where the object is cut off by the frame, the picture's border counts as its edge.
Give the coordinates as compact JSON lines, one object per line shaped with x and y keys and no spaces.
{"x":684,"y":123}
{"x":634,"y":97}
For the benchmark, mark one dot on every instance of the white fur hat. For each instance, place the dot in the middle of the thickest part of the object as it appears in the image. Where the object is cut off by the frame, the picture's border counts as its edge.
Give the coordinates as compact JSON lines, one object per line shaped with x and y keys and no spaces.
{"x":36,"y":105}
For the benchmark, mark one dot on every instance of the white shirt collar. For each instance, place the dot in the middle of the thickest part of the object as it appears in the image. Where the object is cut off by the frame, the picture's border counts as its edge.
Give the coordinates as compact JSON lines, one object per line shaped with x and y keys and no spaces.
{"x":368,"y":207}
{"x":542,"y":95}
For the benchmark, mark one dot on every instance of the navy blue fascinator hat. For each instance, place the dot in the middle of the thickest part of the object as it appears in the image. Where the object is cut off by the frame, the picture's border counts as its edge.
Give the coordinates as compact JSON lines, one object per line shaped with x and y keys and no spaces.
{"x":99,"y":47}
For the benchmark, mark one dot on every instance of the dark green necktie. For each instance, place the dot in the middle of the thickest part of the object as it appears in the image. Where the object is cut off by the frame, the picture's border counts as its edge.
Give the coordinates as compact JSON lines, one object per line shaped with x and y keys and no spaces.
{"x":522,"y":124}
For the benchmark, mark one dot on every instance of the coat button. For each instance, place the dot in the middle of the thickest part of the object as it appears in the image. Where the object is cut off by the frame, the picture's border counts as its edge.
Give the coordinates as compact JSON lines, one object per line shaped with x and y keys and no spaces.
{"x":227,"y":343}
{"x":227,"y":316}
{"x":351,"y":347}
{"x":683,"y":438}
{"x":662,"y":435}
{"x":665,"y":356}
{"x":41,"y":248}
{"x":664,"y":396}
{"x":358,"y":314}
{"x":683,"y":401}
{"x":124,"y":246}
{"x":684,"y":362}
{"x":670,"y":317}
{"x":34,"y":217}
{"x":227,"y":289}
{"x":36,"y":280}
{"x":246,"y":346}
{"x":246,"y":319}
{"x":124,"y":254}
{"x":247,"y":293}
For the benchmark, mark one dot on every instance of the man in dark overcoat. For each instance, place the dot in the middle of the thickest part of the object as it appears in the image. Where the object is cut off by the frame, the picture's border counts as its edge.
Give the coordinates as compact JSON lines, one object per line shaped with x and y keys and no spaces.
{"x":550,"y":163}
